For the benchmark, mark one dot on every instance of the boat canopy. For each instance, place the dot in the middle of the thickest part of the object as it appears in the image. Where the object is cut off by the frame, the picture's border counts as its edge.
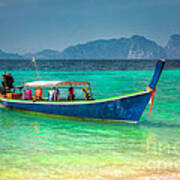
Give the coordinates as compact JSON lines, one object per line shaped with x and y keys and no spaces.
{"x":54,"y":83}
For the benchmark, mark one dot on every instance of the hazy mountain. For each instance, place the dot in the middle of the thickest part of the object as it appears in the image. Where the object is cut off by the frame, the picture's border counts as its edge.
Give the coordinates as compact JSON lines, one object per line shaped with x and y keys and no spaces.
{"x":142,"y":48}
{"x":5,"y":55}
{"x":99,"y":49}
{"x":173,"y":47}
{"x":45,"y":54}
{"x":136,"y":47}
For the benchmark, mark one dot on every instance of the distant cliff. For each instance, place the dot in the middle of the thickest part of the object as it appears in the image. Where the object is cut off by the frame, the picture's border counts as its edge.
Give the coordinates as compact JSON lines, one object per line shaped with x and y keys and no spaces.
{"x":4,"y":55}
{"x":173,"y":47}
{"x":136,"y":47}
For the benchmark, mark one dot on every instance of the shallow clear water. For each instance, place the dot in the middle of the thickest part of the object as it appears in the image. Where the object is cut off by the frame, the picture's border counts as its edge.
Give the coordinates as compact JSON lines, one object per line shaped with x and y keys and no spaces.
{"x":36,"y":146}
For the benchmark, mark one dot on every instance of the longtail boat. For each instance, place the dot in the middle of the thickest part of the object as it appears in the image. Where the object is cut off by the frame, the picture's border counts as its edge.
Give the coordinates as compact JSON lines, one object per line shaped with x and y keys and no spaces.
{"x":123,"y":108}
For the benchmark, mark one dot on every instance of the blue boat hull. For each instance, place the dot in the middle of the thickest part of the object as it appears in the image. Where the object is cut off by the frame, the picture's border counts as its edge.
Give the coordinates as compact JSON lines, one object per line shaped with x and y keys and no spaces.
{"x":122,"y":109}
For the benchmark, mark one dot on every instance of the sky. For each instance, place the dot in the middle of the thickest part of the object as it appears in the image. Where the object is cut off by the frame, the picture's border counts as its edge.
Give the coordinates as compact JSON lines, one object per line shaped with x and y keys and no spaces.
{"x":34,"y":25}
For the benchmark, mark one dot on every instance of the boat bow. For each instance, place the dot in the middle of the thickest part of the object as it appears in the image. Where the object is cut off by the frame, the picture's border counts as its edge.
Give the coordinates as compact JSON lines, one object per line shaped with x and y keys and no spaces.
{"x":152,"y":86}
{"x":157,"y":73}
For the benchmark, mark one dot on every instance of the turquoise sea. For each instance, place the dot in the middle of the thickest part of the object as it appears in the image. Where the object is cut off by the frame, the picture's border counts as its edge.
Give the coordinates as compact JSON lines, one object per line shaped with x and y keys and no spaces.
{"x":45,"y":147}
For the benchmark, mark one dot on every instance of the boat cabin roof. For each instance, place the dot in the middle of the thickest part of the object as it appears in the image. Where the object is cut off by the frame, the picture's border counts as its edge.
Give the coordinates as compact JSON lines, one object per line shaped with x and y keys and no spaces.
{"x":36,"y":84}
